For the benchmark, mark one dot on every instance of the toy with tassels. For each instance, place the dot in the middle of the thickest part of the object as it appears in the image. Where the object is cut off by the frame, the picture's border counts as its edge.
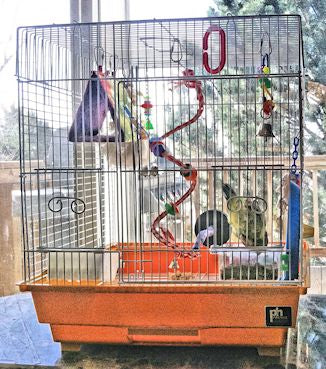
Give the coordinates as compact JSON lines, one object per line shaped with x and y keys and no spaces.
{"x":147,"y":106}
{"x":266,"y":85}
{"x":265,"y":82}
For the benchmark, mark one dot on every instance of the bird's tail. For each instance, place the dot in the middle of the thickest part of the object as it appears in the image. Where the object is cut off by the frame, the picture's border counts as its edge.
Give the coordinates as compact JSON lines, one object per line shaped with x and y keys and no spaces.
{"x":228,"y":191}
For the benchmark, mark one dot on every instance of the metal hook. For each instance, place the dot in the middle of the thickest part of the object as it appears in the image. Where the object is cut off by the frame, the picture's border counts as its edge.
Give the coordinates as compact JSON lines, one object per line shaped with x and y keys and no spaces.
{"x":231,"y":17}
{"x":179,"y":52}
{"x":99,"y":55}
{"x":113,"y":63}
{"x":263,"y":37}
{"x":265,"y":61}
{"x":125,"y":75}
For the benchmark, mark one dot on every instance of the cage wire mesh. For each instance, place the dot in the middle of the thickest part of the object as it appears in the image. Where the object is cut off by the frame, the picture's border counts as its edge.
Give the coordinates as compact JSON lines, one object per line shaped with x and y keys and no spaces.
{"x":162,"y":151}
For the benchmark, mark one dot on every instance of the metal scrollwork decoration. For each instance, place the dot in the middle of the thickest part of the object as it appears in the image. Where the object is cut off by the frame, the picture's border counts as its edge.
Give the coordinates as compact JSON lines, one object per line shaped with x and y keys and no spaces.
{"x":237,"y":203}
{"x":55,"y":204}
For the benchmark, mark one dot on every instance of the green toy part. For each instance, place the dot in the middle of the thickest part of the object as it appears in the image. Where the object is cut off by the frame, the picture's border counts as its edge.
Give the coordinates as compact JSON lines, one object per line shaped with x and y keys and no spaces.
{"x":266,"y":81}
{"x":148,"y":125}
{"x":170,"y":209}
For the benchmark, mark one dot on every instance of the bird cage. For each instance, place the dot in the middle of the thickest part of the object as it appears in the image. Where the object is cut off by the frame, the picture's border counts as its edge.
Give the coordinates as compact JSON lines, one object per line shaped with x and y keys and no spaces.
{"x":164,"y":157}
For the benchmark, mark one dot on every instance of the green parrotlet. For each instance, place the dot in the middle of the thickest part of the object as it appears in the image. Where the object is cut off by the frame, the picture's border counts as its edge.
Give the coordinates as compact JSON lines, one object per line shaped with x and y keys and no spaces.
{"x":246,"y":218}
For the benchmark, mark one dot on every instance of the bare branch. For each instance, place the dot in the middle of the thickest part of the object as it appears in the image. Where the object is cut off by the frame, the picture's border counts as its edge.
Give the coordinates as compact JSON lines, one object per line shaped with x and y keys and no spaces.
{"x":311,"y":133}
{"x":5,"y":62}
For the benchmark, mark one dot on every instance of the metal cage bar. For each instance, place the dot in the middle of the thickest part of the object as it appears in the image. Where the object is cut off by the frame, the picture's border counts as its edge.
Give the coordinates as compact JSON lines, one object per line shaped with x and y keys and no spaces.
{"x":161,"y":151}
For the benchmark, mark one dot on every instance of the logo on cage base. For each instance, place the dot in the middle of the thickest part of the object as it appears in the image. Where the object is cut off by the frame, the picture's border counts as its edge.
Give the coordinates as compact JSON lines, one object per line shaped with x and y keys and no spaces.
{"x":278,"y":316}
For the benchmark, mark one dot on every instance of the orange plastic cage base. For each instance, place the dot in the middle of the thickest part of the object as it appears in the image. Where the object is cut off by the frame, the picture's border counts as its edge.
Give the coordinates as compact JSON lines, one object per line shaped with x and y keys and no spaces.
{"x":164,"y":314}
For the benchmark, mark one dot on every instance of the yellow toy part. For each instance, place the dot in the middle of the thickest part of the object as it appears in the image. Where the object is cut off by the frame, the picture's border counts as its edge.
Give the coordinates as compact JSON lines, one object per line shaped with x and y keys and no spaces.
{"x":266,"y":70}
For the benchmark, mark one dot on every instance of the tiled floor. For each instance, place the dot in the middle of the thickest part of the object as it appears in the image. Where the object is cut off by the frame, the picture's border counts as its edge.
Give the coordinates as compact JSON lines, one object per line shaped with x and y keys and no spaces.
{"x":23,"y":340}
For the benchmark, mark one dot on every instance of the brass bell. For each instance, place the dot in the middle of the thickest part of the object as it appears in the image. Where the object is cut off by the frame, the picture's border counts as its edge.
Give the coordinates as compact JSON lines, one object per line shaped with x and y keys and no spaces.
{"x":265,"y":130}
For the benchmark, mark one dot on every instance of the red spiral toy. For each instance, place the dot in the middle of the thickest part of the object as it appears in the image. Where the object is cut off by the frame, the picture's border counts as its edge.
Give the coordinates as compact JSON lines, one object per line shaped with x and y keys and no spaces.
{"x":186,"y":170}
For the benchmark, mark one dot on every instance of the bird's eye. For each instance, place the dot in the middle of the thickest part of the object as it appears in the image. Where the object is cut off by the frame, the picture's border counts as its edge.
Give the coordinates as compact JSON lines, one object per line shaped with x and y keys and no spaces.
{"x":235,"y":204}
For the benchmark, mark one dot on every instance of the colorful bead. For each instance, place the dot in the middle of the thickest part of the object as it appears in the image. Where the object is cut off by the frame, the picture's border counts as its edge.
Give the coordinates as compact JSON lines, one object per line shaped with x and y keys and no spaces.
{"x":157,"y":147}
{"x":147,"y":105}
{"x":188,"y":173}
{"x":266,"y":70}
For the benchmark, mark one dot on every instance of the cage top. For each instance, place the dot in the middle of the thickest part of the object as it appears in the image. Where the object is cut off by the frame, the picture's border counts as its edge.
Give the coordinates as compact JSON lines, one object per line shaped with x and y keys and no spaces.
{"x":174,"y":43}
{"x":163,"y":20}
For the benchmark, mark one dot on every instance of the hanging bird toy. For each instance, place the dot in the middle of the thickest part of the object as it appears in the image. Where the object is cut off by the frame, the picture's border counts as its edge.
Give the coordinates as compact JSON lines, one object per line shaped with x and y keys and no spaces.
{"x":266,"y":85}
{"x":147,"y":106}
{"x":265,"y":82}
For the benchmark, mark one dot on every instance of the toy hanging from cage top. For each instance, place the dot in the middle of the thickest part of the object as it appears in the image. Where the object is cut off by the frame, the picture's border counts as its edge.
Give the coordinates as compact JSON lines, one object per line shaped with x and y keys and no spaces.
{"x":96,"y":103}
{"x":147,"y":106}
{"x":188,"y":172}
{"x":220,"y":31}
{"x":266,"y":85}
